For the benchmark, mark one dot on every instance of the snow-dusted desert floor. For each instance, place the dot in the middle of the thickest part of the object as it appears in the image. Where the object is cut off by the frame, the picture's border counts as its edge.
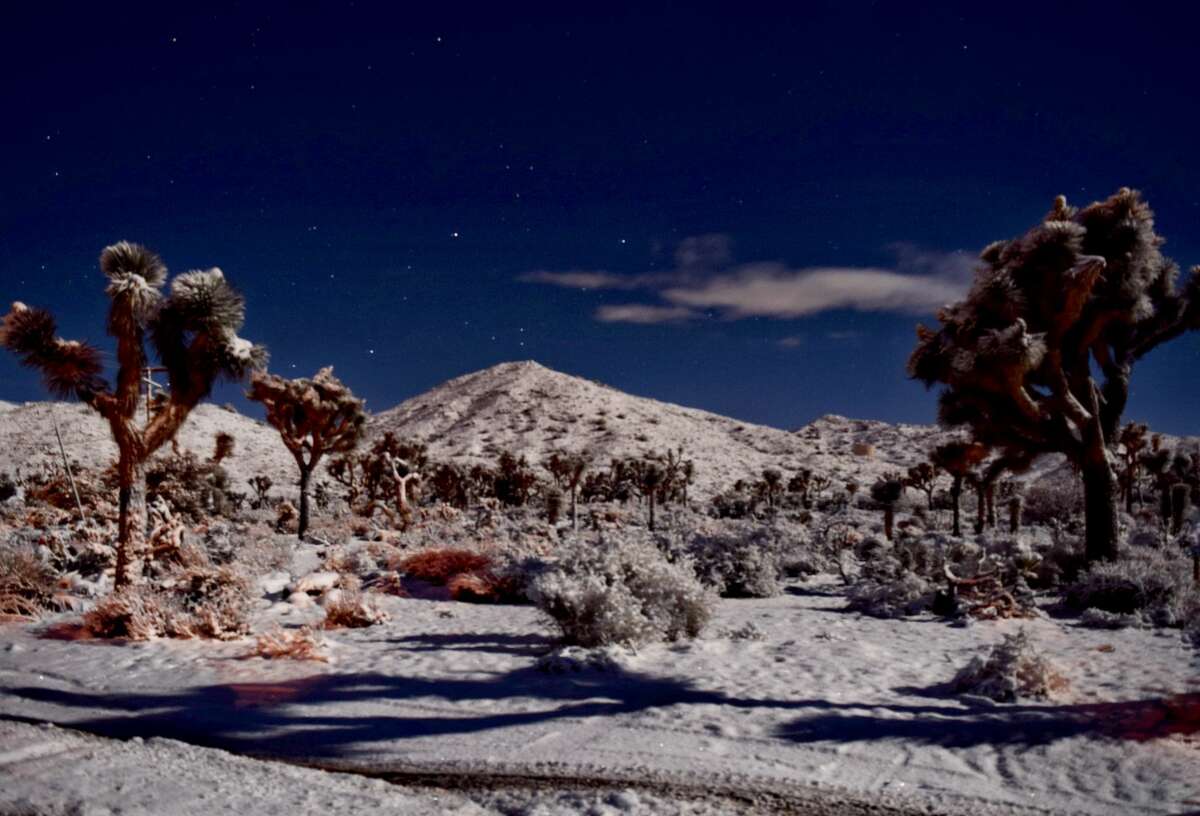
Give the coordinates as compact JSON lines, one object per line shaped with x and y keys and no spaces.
{"x":825,"y":700}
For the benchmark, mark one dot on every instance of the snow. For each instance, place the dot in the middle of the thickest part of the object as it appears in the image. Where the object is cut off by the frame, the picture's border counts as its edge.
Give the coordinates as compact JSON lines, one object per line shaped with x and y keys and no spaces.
{"x":784,"y":702}
{"x":826,"y":699}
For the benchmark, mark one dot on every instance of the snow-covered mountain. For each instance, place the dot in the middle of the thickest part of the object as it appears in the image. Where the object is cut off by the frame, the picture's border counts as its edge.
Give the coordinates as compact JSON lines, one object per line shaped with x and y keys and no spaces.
{"x":525,"y":408}
{"x":532,"y":410}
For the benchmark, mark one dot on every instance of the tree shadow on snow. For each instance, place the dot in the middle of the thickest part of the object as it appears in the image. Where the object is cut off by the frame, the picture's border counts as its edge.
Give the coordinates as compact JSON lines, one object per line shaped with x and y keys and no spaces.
{"x":328,"y":716}
{"x":338,"y":715}
{"x":957,"y":726}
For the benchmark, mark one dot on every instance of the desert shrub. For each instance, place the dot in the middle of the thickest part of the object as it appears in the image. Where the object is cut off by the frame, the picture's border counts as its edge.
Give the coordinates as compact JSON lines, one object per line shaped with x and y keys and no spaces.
{"x":437,"y":566}
{"x":350,"y":609}
{"x":1057,"y":497}
{"x":215,"y":602}
{"x":28,"y":587}
{"x":1063,"y":561}
{"x":620,"y":592}
{"x":743,"y":563}
{"x":134,"y":613}
{"x":1099,"y":619}
{"x":894,"y":595}
{"x":196,"y":602}
{"x":189,"y":485}
{"x":486,"y":587}
{"x":291,"y":644}
{"x":8,"y":487}
{"x":1155,"y":585}
{"x":1012,"y":670}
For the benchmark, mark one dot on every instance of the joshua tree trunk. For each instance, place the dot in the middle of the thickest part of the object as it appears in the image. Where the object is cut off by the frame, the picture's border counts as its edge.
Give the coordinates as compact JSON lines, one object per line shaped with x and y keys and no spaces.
{"x":1180,"y":499}
{"x":889,"y":516}
{"x":131,"y":524}
{"x":1014,"y":514}
{"x":1100,"y":511}
{"x":980,"y":509}
{"x":955,"y":497}
{"x":650,"y":499}
{"x":305,"y":477}
{"x":574,"y":524}
{"x":989,"y":496}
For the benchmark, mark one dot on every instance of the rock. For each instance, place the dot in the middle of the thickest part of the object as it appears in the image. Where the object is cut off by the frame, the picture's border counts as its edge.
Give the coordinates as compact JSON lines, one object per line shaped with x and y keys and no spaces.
{"x":300,"y":600}
{"x":316,"y":583}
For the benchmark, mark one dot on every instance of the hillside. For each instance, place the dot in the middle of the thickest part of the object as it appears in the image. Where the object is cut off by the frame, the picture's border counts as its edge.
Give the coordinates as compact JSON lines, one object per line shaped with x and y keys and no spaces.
{"x":27,"y":440}
{"x":532,"y":410}
{"x":525,"y":408}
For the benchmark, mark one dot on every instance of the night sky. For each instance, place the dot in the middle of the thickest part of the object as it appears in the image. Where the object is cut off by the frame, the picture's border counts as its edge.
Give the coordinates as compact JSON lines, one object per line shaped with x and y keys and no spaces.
{"x":740,"y":208}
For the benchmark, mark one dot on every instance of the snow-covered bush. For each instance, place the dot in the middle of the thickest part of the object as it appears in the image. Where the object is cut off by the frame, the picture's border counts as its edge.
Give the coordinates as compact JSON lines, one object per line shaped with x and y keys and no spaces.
{"x":620,"y":592}
{"x":1057,"y":497}
{"x":896,"y":595}
{"x":745,"y":562}
{"x":1099,"y":619}
{"x":1155,"y":585}
{"x":1012,"y":670}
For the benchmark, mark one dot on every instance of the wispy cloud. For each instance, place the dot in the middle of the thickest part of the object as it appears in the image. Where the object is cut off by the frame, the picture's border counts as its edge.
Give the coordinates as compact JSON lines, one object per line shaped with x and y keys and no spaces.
{"x":774,"y":290}
{"x":790,"y":342}
{"x":705,"y":279}
{"x":643,"y":314}
{"x":582,"y":279}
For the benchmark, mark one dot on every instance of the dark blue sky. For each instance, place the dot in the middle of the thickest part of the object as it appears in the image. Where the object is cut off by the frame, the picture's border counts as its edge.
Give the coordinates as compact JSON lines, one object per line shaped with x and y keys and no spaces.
{"x":377,"y":179}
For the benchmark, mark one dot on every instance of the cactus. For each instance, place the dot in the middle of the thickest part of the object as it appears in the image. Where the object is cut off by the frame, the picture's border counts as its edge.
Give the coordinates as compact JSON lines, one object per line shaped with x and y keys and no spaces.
{"x":1086,"y":290}
{"x":192,"y":330}
{"x":314,"y":417}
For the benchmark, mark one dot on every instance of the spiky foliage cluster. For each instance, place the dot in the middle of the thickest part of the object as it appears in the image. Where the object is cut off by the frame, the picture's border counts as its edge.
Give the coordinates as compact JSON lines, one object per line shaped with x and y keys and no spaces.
{"x":193,"y":332}
{"x":1085,"y":288}
{"x":314,"y":417}
{"x":923,"y":477}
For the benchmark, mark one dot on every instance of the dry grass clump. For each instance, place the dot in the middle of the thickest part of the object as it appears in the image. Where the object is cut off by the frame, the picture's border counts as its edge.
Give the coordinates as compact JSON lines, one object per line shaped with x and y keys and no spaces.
{"x":485,"y":587}
{"x":132,"y":613}
{"x":350,"y":609}
{"x":290,"y":644}
{"x":438,"y":566}
{"x":197,"y":602}
{"x":618,"y":592}
{"x":28,"y":587}
{"x":1012,"y":670}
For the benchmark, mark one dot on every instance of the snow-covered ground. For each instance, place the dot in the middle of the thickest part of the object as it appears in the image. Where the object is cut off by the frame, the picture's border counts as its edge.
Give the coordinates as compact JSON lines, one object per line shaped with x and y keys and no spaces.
{"x":825,"y":699}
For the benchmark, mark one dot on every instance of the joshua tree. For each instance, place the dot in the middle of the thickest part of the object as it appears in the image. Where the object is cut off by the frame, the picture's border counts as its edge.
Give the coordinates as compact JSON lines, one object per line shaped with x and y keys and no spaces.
{"x":192,"y":330}
{"x":1086,"y":290}
{"x":923,"y":477}
{"x":800,"y":484}
{"x":261,"y":485}
{"x":772,"y":483}
{"x":313,"y":417}
{"x":575,"y":465}
{"x":649,"y":479}
{"x":887,"y":491}
{"x":959,"y":460}
{"x":1132,"y":439}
